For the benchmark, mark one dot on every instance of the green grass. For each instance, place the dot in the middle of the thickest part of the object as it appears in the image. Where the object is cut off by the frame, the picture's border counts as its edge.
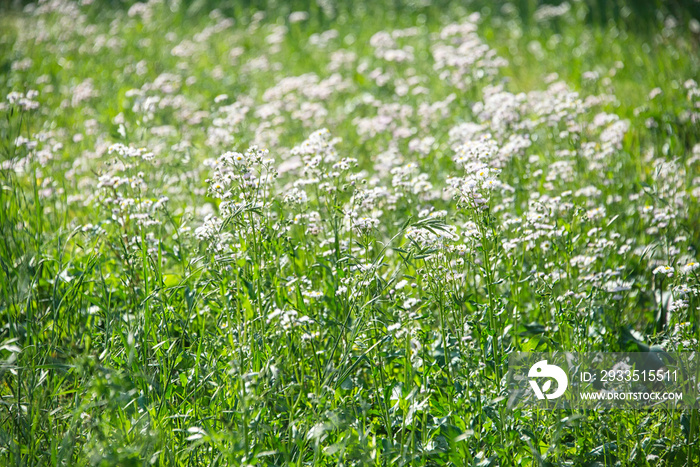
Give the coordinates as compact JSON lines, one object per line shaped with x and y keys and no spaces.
{"x":327,"y":318}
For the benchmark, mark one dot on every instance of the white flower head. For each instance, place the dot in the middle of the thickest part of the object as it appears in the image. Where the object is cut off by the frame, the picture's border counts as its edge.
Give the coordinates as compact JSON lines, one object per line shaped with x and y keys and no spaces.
{"x":690,"y":267}
{"x":665,"y":270}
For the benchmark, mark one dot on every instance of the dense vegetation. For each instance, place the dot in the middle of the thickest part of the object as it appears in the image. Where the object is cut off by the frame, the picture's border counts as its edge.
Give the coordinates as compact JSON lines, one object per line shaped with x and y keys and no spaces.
{"x":284,"y":236}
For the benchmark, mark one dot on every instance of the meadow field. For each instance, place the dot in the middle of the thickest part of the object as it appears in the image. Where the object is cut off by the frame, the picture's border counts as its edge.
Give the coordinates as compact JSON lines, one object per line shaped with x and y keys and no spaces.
{"x":313,"y":232}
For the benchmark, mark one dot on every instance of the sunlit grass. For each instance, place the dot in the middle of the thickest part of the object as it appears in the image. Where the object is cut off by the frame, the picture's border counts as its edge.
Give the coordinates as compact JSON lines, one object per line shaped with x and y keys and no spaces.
{"x":283,"y":238}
